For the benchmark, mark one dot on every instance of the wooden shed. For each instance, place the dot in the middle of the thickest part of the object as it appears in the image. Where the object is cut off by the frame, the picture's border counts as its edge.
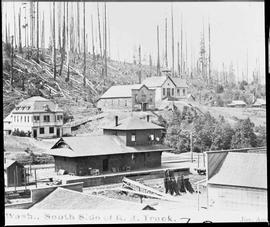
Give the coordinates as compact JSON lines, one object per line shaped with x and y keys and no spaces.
{"x":14,"y":173}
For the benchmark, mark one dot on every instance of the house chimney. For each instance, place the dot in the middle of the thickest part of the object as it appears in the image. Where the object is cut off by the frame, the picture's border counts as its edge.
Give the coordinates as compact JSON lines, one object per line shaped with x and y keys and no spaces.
{"x":116,"y":120}
{"x":148,"y":117}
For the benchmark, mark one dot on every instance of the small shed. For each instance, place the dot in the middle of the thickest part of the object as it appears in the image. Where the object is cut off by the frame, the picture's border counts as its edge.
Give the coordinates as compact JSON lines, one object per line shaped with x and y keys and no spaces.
{"x":14,"y":173}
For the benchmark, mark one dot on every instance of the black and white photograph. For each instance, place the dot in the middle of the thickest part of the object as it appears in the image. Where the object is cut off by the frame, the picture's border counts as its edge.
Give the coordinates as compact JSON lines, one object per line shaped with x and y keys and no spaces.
{"x":134,"y":112}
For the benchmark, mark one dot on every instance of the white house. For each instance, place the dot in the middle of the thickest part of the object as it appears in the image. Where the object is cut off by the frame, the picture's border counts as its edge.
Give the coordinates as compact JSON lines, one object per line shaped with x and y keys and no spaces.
{"x":38,"y":116}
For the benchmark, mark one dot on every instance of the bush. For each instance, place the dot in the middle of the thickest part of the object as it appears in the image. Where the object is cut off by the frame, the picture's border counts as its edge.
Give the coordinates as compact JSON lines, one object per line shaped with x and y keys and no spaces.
{"x":17,"y":132}
{"x":219,"y":89}
{"x":67,"y":116}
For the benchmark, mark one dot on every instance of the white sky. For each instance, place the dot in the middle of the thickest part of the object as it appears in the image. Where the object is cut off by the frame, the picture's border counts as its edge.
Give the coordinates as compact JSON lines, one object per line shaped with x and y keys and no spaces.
{"x":236,"y":28}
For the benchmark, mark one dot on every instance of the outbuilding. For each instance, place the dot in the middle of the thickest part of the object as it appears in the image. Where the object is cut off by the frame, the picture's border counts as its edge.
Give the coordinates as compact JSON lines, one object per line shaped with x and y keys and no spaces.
{"x":14,"y":173}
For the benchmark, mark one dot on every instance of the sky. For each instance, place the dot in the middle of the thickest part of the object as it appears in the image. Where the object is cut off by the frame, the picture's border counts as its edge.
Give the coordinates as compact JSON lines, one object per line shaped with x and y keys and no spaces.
{"x":237,"y":30}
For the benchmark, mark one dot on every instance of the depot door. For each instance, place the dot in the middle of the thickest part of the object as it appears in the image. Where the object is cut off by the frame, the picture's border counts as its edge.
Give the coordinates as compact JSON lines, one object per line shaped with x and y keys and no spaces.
{"x":105,"y":165}
{"x":35,"y":133}
{"x":58,"y":132}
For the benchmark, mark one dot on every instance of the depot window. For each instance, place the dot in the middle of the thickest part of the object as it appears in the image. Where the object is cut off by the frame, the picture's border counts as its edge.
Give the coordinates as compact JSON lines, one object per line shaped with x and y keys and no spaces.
{"x":133,"y":137}
{"x":46,"y":118}
{"x":51,"y":129}
{"x":41,"y":131}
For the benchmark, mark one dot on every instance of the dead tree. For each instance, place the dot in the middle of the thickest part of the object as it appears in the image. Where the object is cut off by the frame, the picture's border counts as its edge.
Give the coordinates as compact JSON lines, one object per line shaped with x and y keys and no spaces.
{"x":12,"y":60}
{"x":43,"y":34}
{"x":166,"y":41}
{"x":93,"y":44}
{"x":178,"y":60}
{"x":99,"y":32}
{"x":105,"y":40}
{"x":140,"y":66}
{"x":20,"y":34}
{"x":182,"y":65}
{"x":59,"y":26}
{"x":54,"y":49}
{"x":84,"y":50}
{"x":209,"y":54}
{"x":150,"y":64}
{"x":78,"y":28}
{"x":14,"y":23}
{"x":68,"y":45}
{"x":37,"y":32}
{"x":158,"y":62}
{"x":172,"y":42}
{"x":63,"y":42}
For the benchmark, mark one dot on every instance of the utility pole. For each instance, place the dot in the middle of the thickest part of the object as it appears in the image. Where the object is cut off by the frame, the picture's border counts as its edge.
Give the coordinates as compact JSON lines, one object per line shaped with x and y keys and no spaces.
{"x":166,"y":41}
{"x":158,"y":62}
{"x":172,"y":42}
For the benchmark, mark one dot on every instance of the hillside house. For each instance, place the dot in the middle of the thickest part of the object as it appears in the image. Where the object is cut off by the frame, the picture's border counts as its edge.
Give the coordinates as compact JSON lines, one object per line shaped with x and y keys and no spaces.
{"x":14,"y":174}
{"x":39,"y":117}
{"x":237,"y":180}
{"x":129,"y":144}
{"x":144,"y":96}
{"x":237,"y":103}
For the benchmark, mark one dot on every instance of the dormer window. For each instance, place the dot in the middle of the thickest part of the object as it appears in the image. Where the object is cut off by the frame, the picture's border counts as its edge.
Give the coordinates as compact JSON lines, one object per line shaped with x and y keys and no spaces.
{"x":46,"y":107}
{"x":133,"y":137}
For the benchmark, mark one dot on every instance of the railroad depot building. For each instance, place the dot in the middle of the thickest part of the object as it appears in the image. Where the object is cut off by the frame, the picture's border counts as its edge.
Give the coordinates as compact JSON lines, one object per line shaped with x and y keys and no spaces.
{"x":144,"y":96}
{"x":39,"y":117}
{"x":129,"y":144}
{"x":237,"y":180}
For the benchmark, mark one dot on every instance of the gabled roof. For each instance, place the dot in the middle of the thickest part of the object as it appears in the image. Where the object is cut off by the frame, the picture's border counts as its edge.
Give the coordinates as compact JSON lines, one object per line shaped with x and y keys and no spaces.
{"x":180,"y":82}
{"x":243,"y":170}
{"x":62,"y":198}
{"x":133,"y":123}
{"x":120,"y":91}
{"x":83,"y":146}
{"x":154,"y":81}
{"x":9,"y":162}
{"x":36,"y":104}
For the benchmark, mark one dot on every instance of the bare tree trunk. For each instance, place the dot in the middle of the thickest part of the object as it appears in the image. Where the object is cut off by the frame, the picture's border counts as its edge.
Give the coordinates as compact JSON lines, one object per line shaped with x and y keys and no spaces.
{"x":158,"y":61}
{"x":54,"y":49}
{"x":20,"y":34}
{"x":99,"y":32}
{"x":63,"y":41}
{"x":140,"y":66}
{"x":84,"y":53}
{"x":182,"y":65}
{"x":59,"y":26}
{"x":166,"y":41}
{"x":43,"y":34}
{"x":7,"y":41}
{"x":172,"y":42}
{"x":209,"y":58}
{"x":12,"y":60}
{"x":93,"y":44}
{"x":37,"y":32}
{"x":68,"y":45}
{"x":105,"y":41}
{"x":178,"y":60}
{"x":78,"y":28}
{"x":150,"y":64}
{"x":72,"y":35}
{"x":14,"y":23}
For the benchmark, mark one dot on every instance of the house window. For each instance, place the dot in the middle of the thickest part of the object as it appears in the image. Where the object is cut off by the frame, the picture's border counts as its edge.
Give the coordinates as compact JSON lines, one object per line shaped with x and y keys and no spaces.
{"x":133,"y":137}
{"x":164,"y":91}
{"x":151,"y":98}
{"x":51,"y":129}
{"x":21,"y":119}
{"x":36,"y":118}
{"x":24,"y":118}
{"x":112,"y":102}
{"x":172,"y":91}
{"x":118,"y":102}
{"x":17,"y":118}
{"x":41,"y":131}
{"x":125,"y":102}
{"x":27,"y":118}
{"x":178,"y":91}
{"x":46,"y":118}
{"x":168,"y":92}
{"x":184,"y":92}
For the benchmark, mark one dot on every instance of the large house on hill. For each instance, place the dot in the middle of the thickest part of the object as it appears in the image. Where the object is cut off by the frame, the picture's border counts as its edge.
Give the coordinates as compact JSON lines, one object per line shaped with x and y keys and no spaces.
{"x":144,"y":96}
{"x":39,"y":117}
{"x":129,"y":144}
